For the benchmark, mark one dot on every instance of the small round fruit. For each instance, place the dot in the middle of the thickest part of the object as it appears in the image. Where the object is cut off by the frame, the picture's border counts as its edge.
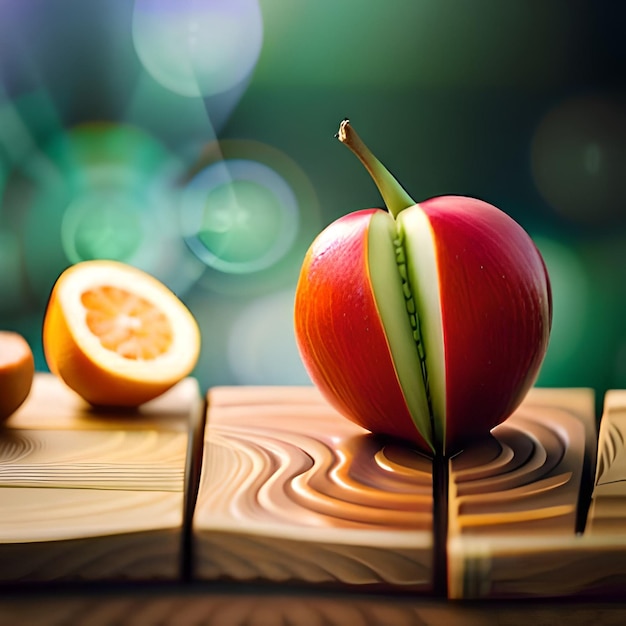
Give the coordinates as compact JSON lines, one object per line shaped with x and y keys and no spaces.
{"x":17,"y":369}
{"x":116,"y":335}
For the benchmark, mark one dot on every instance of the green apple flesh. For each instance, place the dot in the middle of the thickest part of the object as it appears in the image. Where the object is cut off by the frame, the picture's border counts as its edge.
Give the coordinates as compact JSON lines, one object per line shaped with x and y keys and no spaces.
{"x":428,"y":322}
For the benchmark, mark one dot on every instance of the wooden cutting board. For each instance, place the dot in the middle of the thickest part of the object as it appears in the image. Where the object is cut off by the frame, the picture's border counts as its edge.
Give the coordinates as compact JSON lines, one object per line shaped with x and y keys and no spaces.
{"x":270,"y":485}
{"x":94,"y":495}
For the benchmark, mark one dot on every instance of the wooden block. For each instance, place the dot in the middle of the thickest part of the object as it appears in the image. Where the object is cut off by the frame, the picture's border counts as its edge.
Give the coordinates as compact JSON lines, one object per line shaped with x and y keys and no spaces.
{"x":292,"y":492}
{"x":595,"y":563}
{"x":514,"y":498}
{"x":94,"y":495}
{"x":607,"y":513}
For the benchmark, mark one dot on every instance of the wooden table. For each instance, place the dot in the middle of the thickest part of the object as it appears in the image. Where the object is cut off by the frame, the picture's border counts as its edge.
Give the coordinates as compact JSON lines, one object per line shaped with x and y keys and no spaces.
{"x":271,"y":508}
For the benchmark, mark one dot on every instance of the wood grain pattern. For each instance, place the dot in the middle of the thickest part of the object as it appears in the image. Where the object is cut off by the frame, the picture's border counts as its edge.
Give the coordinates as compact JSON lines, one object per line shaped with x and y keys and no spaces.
{"x":550,"y":562}
{"x":292,"y":492}
{"x":607,"y":514}
{"x":86,"y":494}
{"x":515,"y":497}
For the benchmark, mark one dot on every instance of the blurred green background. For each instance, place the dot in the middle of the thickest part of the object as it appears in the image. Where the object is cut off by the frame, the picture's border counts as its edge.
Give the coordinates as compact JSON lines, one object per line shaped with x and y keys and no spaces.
{"x":194,"y":139}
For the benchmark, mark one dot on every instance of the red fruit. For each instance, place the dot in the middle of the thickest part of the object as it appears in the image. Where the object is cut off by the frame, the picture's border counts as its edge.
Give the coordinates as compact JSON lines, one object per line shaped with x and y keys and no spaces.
{"x":428,"y":323}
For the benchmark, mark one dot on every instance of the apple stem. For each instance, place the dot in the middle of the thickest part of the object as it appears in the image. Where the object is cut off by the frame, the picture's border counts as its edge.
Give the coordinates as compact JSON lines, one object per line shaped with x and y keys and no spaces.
{"x":394,"y":195}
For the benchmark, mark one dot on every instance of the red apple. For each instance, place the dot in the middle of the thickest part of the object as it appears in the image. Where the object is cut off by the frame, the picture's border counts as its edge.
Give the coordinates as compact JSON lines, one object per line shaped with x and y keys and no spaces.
{"x":428,"y":322}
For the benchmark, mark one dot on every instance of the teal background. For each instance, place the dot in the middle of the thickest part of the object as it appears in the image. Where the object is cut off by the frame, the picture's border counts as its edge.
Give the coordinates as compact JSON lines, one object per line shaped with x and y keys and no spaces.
{"x":194,"y":139}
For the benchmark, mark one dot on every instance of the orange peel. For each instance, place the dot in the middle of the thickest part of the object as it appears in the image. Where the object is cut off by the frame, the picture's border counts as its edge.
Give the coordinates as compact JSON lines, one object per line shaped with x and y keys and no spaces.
{"x":17,"y":370}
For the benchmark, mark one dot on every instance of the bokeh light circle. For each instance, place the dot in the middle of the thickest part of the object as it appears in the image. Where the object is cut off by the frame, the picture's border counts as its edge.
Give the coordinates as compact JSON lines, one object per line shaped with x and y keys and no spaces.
{"x":289,"y":199}
{"x":606,"y":336}
{"x":103,"y":190}
{"x":578,"y":155}
{"x":198,"y":48}
{"x":103,"y":224}
{"x":262,"y":349}
{"x":239,"y":216}
{"x":571,"y":290}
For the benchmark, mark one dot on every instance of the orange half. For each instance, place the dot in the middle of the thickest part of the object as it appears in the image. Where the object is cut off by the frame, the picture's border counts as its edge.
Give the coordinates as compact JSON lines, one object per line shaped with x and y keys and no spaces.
{"x":116,"y":335}
{"x":17,"y":369}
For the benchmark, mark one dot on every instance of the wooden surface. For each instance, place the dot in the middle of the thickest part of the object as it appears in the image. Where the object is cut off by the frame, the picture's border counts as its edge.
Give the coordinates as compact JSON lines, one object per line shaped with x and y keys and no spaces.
{"x":94,"y":495}
{"x":292,"y":492}
{"x":607,"y":513}
{"x":229,"y":606}
{"x":513,"y":497}
{"x":543,"y":556}
{"x":296,"y":503}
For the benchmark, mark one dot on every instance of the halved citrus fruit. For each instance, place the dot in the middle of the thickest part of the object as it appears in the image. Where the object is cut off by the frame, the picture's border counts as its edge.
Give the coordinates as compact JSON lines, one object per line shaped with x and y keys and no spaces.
{"x":17,"y":369}
{"x":116,"y":335}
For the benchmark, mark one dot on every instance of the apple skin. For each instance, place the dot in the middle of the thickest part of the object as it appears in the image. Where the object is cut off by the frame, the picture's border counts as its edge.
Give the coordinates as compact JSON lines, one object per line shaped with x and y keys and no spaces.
{"x":496,"y":306}
{"x":340,"y":336}
{"x":496,"y":312}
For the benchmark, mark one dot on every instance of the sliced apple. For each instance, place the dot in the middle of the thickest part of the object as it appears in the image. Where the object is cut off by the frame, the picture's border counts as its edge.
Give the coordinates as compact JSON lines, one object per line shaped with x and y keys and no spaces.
{"x":429,"y":322}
